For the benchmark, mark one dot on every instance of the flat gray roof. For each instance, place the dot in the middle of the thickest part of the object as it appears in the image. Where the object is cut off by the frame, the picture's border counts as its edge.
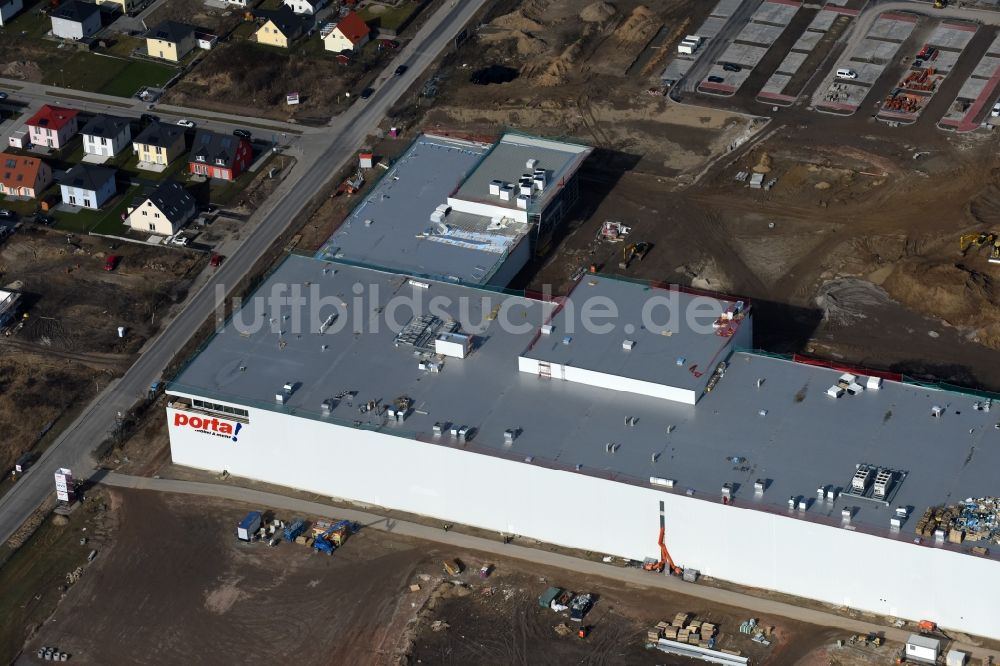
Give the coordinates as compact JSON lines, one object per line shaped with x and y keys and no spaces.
{"x":666,"y":350}
{"x":784,"y":430}
{"x":391,"y":227}
{"x":508,"y":162}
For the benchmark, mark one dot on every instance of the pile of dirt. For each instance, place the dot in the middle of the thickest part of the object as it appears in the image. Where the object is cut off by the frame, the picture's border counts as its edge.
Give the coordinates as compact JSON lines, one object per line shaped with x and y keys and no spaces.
{"x":560,"y":67}
{"x":598,"y":12}
{"x":22,"y":70}
{"x":516,"y":20}
{"x":763,"y":164}
{"x":952,"y":292}
{"x":527,"y":44}
{"x":640,"y":27}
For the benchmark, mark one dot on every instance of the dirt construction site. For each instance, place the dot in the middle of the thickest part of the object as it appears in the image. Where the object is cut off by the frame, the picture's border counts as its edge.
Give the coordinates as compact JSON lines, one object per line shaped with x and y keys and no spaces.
{"x":379,"y":599}
{"x":850,"y":250}
{"x":68,"y":347}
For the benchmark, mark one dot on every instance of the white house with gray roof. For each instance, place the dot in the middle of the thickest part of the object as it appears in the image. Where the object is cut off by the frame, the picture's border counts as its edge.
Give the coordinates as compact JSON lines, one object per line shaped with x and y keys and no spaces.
{"x":76,"y":20}
{"x":87,"y":186}
{"x":106,"y":136}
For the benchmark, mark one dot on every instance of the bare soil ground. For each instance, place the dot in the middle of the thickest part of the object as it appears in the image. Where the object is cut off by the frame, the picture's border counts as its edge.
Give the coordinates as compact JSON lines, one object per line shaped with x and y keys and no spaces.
{"x":171,"y":583}
{"x":853,"y":255}
{"x":213,"y":20}
{"x":69,"y":347}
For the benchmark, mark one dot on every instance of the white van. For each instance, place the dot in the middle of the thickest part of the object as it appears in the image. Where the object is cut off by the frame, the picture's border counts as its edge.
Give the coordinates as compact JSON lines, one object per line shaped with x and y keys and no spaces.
{"x":844,"y":73}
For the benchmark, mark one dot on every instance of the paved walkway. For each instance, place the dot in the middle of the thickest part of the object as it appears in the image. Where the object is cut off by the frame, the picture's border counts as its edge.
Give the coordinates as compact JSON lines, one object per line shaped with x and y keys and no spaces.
{"x":464,"y":541}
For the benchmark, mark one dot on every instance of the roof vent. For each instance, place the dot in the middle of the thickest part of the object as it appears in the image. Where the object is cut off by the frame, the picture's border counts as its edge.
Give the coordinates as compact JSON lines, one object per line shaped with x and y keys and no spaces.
{"x":758,"y":487}
{"x":567,"y":340}
{"x":628,"y":344}
{"x":531,"y":163}
{"x":546,"y":329}
{"x":937,"y":411}
{"x":522,"y":200}
{"x":874,"y":383}
{"x":495,"y":186}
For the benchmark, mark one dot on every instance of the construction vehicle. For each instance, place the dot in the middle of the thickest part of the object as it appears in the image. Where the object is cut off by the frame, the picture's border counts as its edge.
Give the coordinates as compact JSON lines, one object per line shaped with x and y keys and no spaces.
{"x":351,"y":184}
{"x":452,"y":567}
{"x":665,"y":560}
{"x":979,"y":239}
{"x":940,"y":4}
{"x":633,"y":251}
{"x":926,"y":626}
{"x":295,"y":529}
{"x":333,"y":537}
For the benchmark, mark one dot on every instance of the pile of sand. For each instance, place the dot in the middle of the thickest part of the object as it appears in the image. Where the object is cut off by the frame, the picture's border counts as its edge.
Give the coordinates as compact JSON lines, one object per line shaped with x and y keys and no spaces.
{"x":598,"y":12}
{"x":953,"y":292}
{"x":555,"y":74}
{"x":763,"y":164}
{"x":527,"y":45}
{"x":516,"y":20}
{"x":640,"y":26}
{"x":23,"y":70}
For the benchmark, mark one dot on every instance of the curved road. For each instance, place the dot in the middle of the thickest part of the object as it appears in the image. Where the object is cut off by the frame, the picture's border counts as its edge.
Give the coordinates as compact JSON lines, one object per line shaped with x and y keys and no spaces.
{"x":323,"y":155}
{"x":717,"y":595}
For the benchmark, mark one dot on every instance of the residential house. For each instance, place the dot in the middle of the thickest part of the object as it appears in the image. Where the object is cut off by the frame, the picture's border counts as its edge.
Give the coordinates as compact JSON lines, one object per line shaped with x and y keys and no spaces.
{"x":349,"y":34}
{"x":170,"y":40}
{"x":164,"y":211}
{"x":106,"y":135}
{"x":282,"y":27}
{"x":52,"y":126}
{"x":22,"y":176}
{"x":87,"y":186}
{"x":8,"y":8}
{"x":159,"y":144}
{"x":125,"y":6}
{"x":222,"y":156}
{"x":305,"y":6}
{"x":76,"y":20}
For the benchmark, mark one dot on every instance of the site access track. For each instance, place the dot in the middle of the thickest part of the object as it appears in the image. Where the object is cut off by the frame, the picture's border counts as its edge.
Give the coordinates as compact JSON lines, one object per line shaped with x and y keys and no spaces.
{"x":261,"y":499}
{"x":322,"y":157}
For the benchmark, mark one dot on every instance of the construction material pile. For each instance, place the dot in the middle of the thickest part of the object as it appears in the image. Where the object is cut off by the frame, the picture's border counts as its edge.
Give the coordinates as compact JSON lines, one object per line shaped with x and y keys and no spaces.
{"x":683,"y":629}
{"x":980,"y":519}
{"x":937,"y":518}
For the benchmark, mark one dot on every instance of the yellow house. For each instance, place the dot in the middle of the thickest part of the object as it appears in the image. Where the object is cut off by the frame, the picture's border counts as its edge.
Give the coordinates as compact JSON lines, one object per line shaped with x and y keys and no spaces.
{"x":170,"y":41}
{"x":158,"y":145}
{"x":282,"y":27}
{"x":126,"y":6}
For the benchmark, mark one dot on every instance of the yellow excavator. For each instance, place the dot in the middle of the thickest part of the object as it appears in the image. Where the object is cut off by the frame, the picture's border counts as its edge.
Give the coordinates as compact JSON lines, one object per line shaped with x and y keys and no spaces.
{"x":633,"y":251}
{"x":980,"y":239}
{"x":940,"y":4}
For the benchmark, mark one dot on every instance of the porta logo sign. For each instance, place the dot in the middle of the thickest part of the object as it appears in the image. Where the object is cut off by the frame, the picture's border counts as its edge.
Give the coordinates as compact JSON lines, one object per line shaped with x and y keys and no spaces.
{"x":209,"y":426}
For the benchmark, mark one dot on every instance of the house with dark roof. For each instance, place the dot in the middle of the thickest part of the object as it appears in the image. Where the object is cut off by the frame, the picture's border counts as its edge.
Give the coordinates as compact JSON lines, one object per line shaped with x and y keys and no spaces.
{"x":52,"y":126}
{"x":76,"y":20}
{"x":222,"y":156}
{"x":163,"y":211}
{"x":158,"y":145}
{"x":305,"y":6}
{"x":8,"y":8}
{"x":23,"y":176}
{"x":349,"y":34}
{"x":170,"y":40}
{"x":282,"y":26}
{"x":106,"y":136}
{"x":87,"y":186}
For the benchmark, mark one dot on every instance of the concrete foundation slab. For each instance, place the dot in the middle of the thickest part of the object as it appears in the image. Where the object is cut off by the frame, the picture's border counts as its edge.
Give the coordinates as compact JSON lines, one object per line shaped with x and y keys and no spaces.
{"x":725,"y":8}
{"x":775,"y":13}
{"x":823,"y":21}
{"x":776,"y":84}
{"x":712,"y":26}
{"x":891,"y":30}
{"x":946,"y":36}
{"x":743,"y":54}
{"x":874,"y":51}
{"x":759,"y":33}
{"x":791,"y":63}
{"x":808,"y":41}
{"x":986,"y":67}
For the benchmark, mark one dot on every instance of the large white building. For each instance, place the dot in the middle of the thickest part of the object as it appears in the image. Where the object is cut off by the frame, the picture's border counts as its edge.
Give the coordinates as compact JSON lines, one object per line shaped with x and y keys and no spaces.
{"x":464,"y":211}
{"x":591,"y":420}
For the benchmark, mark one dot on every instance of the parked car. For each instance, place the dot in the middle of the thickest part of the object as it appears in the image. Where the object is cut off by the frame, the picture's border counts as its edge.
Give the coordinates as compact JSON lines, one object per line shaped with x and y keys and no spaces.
{"x":243,"y":134}
{"x":401,"y":70}
{"x":184,"y":122}
{"x":216,"y":260}
{"x":179,"y":240}
{"x":715,"y":79}
{"x":731,"y":67}
{"x":844,"y":73}
{"x":3,"y":96}
{"x":367,"y":92}
{"x":996,"y":110}
{"x":7,"y":214}
{"x":111,"y":263}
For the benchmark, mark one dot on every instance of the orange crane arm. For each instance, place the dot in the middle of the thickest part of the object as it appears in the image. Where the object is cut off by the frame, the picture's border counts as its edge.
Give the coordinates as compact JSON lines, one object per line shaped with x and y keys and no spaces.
{"x":665,"y":558}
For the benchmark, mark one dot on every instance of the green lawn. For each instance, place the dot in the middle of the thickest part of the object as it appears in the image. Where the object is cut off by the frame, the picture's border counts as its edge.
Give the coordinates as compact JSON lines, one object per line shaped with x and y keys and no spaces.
{"x":137,"y":74}
{"x":390,"y":19}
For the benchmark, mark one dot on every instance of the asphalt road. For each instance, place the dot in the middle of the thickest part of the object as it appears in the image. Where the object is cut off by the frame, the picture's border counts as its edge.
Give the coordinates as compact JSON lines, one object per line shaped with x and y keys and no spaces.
{"x":629,"y":576}
{"x":322,"y":156}
{"x":716,"y":46}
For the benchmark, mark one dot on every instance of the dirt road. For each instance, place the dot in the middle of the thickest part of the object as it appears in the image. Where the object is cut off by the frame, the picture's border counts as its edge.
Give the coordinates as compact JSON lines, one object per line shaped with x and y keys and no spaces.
{"x":581,"y":566}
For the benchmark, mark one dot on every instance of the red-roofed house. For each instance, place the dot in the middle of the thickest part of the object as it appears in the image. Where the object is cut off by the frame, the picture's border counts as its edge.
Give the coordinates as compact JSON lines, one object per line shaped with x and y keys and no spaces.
{"x":52,"y":126}
{"x":23,"y":176}
{"x":350,"y":34}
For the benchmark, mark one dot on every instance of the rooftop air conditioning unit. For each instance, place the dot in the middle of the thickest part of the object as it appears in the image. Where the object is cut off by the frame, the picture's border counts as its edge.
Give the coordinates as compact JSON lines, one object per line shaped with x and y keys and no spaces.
{"x":628,"y":344}
{"x":874,"y":383}
{"x":526,"y":189}
{"x":505,"y":192}
{"x":862,"y":477}
{"x":883,"y":483}
{"x":522,"y":202}
{"x":546,"y":329}
{"x":531,"y":163}
{"x":495,"y":186}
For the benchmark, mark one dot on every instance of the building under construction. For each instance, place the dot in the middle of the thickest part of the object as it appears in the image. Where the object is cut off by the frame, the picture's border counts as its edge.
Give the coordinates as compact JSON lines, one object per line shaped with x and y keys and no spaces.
{"x":590,"y":421}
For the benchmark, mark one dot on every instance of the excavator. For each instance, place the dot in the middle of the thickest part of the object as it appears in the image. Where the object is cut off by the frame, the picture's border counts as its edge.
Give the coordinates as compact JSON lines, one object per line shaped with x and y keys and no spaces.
{"x":633,"y":251}
{"x":987,"y":238}
{"x":940,"y":4}
{"x":665,"y":560}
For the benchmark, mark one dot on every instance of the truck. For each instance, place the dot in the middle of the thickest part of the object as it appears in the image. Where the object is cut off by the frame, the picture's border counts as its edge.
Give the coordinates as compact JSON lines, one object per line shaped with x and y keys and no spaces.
{"x":687,"y":48}
{"x":333,"y":536}
{"x":294,"y":529}
{"x":580,"y":606}
{"x":24,"y":462}
{"x":248,"y":527}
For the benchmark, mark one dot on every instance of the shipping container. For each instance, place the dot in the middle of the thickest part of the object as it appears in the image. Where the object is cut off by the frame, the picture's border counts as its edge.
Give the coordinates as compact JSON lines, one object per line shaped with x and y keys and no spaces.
{"x":248,"y":527}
